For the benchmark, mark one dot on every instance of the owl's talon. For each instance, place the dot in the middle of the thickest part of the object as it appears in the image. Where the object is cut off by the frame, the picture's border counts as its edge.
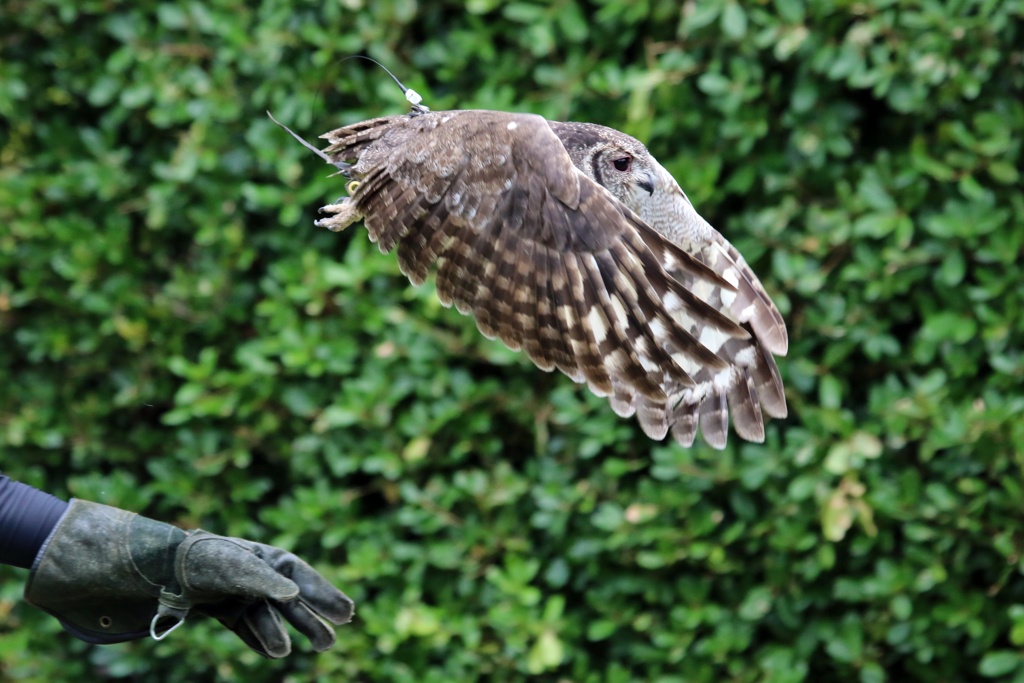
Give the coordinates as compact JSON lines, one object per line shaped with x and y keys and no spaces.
{"x":343,"y":214}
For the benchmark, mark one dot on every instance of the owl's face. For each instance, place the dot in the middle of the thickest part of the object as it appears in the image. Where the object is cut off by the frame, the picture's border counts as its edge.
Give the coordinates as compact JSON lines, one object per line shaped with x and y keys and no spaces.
{"x":616,"y":161}
{"x":627,"y":171}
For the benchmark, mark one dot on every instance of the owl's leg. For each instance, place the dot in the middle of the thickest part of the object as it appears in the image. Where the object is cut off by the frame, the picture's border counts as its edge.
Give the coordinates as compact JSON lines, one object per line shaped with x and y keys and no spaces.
{"x":343,"y":214}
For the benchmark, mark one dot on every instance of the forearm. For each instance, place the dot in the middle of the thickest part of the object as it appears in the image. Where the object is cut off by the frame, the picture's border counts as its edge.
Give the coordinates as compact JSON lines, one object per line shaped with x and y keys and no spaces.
{"x":27,"y":516}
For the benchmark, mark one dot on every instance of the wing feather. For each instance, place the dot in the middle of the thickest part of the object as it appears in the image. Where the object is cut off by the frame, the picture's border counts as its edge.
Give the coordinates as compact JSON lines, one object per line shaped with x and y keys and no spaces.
{"x":550,"y":335}
{"x":714,"y":419}
{"x":424,"y":246}
{"x":582,"y":299}
{"x":746,"y":408}
{"x":684,"y":424}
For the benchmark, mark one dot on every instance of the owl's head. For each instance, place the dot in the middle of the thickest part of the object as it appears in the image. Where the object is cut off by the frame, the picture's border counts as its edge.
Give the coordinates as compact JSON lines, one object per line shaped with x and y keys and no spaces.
{"x":619,"y":163}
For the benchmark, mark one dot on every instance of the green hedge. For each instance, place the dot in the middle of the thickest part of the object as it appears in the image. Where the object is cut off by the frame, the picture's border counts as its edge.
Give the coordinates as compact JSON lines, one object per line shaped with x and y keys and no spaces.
{"x":178,"y":339}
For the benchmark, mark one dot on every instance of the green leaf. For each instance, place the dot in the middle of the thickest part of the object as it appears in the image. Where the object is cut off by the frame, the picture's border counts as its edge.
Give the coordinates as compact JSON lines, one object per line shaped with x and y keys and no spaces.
{"x":949,"y":326}
{"x":756,"y":604}
{"x":547,"y":653}
{"x":734,"y":20}
{"x":714,"y":84}
{"x":1000,"y":663}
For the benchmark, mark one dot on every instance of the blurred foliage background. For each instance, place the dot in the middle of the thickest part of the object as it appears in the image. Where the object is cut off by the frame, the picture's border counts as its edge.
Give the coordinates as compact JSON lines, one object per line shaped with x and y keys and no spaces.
{"x":178,"y":339}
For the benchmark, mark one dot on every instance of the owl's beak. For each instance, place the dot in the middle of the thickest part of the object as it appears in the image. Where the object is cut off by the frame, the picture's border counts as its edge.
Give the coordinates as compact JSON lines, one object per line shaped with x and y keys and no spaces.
{"x":648,"y":183}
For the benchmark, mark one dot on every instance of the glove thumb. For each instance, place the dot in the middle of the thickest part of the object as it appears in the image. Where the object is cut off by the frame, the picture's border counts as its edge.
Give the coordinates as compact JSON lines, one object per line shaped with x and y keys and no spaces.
{"x":218,"y":566}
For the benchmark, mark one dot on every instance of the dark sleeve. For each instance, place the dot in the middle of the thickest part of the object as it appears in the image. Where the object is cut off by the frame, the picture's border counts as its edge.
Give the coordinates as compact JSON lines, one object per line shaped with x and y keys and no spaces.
{"x":27,"y":516}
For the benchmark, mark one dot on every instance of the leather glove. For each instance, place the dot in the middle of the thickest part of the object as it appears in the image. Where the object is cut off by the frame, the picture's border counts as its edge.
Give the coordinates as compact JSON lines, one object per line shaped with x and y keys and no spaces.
{"x":110,"y":575}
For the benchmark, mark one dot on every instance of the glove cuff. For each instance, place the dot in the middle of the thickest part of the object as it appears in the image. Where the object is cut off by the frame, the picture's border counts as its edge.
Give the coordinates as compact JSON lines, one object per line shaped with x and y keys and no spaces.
{"x":85,"y":574}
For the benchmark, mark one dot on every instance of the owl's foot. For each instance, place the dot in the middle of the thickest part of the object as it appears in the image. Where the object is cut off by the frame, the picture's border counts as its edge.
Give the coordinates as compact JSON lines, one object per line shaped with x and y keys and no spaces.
{"x":343,"y":214}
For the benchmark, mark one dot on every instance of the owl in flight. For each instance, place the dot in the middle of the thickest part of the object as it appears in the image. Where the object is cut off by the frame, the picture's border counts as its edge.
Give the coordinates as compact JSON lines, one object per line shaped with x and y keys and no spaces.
{"x":570,"y":242}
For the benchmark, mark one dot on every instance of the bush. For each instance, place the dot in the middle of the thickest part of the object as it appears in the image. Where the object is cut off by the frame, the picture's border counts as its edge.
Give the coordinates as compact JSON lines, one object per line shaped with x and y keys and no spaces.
{"x":179,"y":340}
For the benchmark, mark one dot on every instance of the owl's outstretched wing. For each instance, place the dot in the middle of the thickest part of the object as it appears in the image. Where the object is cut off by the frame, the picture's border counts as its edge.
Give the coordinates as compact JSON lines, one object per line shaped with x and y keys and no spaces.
{"x":757,"y":384}
{"x":541,"y":256}
{"x":752,"y":383}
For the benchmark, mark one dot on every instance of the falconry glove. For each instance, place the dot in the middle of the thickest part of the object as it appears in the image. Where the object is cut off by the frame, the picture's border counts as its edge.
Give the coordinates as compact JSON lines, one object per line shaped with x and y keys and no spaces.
{"x":110,"y":575}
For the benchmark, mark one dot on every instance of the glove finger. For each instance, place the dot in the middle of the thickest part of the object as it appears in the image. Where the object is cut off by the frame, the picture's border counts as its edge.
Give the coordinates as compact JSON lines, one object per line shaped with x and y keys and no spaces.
{"x":219,"y":566}
{"x":316,"y":591}
{"x":327,"y":601}
{"x":263,"y":630}
{"x":308,"y":623}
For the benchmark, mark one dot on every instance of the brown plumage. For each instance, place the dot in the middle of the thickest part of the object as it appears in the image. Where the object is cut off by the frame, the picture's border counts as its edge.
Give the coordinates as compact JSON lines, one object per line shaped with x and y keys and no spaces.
{"x":570,"y":242}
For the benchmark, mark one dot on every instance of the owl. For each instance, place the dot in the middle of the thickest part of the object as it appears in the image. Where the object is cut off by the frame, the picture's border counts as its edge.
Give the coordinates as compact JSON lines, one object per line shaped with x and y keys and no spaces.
{"x":570,"y":242}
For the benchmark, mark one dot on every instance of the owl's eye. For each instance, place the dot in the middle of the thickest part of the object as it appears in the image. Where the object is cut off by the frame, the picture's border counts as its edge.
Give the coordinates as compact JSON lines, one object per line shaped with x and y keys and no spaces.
{"x":622,"y":163}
